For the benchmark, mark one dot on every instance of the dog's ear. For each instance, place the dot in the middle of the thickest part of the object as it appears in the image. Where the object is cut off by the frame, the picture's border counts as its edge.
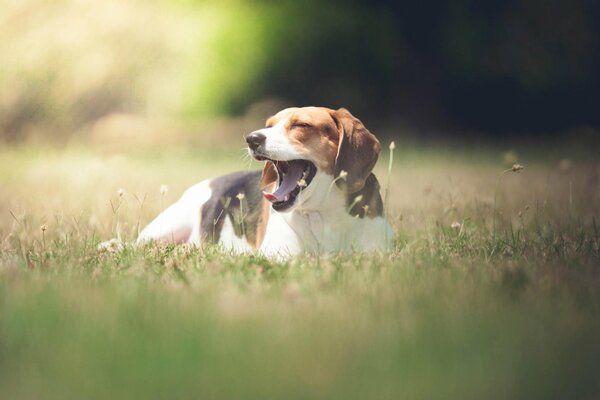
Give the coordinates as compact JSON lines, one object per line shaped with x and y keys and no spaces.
{"x":358,"y":150}
{"x":269,"y":175}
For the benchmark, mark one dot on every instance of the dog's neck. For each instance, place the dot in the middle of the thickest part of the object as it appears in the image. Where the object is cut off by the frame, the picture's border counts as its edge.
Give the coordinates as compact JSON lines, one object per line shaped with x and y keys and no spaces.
{"x":321,"y":196}
{"x":324,"y":196}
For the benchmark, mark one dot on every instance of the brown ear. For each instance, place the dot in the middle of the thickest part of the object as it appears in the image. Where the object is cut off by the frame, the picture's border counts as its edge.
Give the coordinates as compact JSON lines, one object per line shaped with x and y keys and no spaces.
{"x":358,"y":150}
{"x":269,"y":175}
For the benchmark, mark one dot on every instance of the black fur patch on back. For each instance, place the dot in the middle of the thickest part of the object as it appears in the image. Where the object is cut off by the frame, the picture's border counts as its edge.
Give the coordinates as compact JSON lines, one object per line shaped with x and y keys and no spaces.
{"x":224,"y":202}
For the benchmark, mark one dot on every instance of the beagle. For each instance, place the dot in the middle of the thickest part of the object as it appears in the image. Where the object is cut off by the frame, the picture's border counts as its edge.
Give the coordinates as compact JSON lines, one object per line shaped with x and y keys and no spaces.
{"x":315,"y":194}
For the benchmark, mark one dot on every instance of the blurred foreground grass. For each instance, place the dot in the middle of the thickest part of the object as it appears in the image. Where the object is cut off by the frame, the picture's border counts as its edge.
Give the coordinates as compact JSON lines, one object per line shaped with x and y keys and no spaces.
{"x":455,"y":311}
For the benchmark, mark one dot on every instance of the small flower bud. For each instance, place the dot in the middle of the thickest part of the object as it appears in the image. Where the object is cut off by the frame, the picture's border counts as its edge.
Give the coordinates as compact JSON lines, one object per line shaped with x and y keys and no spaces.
{"x":392,"y":145}
{"x":240,"y":196}
{"x":517,"y":167}
{"x":43,"y":228}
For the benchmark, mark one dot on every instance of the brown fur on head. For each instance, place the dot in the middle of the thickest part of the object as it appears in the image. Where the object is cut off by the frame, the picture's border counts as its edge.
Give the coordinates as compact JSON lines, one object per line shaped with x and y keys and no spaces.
{"x":358,"y":151}
{"x":334,"y":140}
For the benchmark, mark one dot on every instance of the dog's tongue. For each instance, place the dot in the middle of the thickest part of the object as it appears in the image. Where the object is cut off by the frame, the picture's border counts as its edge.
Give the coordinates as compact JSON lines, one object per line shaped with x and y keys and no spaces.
{"x":289,"y":182}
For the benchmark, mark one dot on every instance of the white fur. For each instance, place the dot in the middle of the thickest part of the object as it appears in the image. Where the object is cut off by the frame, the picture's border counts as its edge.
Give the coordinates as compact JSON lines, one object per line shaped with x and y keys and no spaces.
{"x":180,"y":222}
{"x":277,"y":145}
{"x":230,"y":242}
{"x":319,"y":224}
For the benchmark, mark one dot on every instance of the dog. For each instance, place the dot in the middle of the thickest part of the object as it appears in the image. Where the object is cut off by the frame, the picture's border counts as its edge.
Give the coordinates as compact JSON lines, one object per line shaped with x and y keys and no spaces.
{"x":316,"y":193}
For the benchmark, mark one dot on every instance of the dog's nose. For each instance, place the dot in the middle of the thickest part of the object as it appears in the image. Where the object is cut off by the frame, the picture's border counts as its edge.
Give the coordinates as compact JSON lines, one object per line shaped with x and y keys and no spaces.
{"x":255,"y":139}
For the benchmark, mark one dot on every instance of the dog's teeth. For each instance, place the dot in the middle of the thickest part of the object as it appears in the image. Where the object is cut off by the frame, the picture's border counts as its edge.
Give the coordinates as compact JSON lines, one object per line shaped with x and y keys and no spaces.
{"x":286,"y":198}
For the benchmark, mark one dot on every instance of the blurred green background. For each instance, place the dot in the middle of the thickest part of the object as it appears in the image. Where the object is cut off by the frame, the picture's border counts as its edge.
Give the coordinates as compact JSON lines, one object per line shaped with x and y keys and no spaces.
{"x":446,"y":67}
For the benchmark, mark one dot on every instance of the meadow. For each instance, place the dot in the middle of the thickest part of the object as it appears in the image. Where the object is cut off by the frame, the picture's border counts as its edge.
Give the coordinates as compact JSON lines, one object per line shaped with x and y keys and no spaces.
{"x":492,"y":289}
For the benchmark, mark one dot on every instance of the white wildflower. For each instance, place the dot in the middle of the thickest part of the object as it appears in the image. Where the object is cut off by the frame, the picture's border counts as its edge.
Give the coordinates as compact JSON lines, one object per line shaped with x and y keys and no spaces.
{"x":111,"y":246}
{"x":517,"y":167}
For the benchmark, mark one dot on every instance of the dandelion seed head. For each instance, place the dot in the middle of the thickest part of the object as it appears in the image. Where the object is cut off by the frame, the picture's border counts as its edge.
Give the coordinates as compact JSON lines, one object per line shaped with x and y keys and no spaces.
{"x":111,"y":246}
{"x":43,"y":228}
{"x":517,"y":167}
{"x":240,"y":196}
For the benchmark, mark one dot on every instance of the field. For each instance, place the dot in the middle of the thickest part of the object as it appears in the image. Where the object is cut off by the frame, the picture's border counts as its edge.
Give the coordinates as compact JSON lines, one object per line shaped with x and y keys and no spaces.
{"x":492,"y":289}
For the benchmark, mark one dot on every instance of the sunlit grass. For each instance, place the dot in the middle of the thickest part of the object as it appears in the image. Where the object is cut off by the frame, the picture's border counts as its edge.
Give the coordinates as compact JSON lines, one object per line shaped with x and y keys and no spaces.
{"x":453,"y":311}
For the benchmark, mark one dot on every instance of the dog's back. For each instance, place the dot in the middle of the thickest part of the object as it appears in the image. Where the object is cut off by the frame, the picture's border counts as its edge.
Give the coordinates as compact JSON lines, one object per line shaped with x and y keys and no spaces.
{"x":226,"y":210}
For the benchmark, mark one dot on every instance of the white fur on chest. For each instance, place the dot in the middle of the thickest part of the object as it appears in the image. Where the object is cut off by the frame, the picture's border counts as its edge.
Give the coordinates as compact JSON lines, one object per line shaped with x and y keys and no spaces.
{"x":320,"y":223}
{"x":311,"y":232}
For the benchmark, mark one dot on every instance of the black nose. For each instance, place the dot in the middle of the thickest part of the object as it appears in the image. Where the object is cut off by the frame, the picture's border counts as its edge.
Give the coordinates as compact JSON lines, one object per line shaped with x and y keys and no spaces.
{"x":255,"y":139}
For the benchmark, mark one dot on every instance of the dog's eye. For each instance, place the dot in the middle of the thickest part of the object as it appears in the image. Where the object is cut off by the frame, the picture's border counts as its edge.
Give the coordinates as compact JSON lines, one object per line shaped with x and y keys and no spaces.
{"x":300,"y":125}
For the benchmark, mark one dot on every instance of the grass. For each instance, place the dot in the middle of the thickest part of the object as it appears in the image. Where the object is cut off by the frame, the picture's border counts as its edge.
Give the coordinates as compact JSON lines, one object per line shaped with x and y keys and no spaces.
{"x":457,"y":310}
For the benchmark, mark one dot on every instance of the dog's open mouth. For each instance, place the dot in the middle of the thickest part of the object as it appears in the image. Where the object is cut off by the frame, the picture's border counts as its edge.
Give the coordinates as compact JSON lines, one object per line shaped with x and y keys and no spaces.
{"x":294,"y":176}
